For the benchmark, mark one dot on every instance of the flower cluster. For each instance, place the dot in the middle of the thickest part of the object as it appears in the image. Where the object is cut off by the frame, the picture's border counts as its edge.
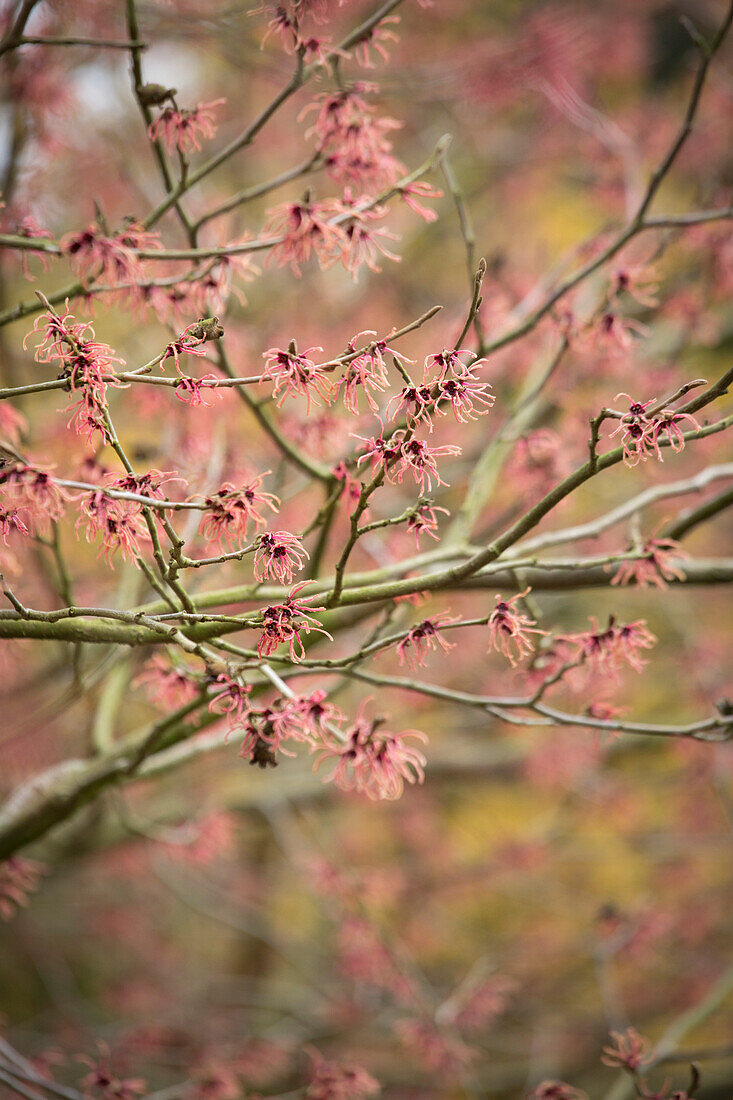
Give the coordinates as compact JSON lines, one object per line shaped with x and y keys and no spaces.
{"x":401,"y":453}
{"x":374,"y":761}
{"x":119,"y":522}
{"x":352,"y":141}
{"x":95,"y":255}
{"x":657,"y":567}
{"x":607,"y":651}
{"x":278,"y":555}
{"x":183,"y":129}
{"x":643,"y":435}
{"x":283,"y":622}
{"x":293,"y":373}
{"x":229,"y":511}
{"x":509,"y":629}
{"x":424,"y":638}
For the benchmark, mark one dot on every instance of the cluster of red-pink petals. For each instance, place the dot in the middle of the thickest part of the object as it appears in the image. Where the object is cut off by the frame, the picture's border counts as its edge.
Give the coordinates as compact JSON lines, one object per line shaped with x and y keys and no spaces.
{"x":19,"y":877}
{"x":230,"y":511}
{"x":643,"y":435}
{"x":630,"y":1051}
{"x":303,"y":230}
{"x":278,"y":555}
{"x":88,"y":367}
{"x":283,"y":622}
{"x":376,"y":40}
{"x":187,"y":342}
{"x":29,"y":228}
{"x":366,"y":372}
{"x":364,"y":242}
{"x":424,"y":638}
{"x":194,"y":391}
{"x":103,"y":1082}
{"x":401,"y":453}
{"x":10,"y":520}
{"x":372,"y":760}
{"x":295,"y":374}
{"x":608,"y":650}
{"x":424,"y":521}
{"x":167,"y":683}
{"x":119,"y":522}
{"x":33,"y":492}
{"x":268,"y":730}
{"x":510,"y":629}
{"x":352,"y":141}
{"x":94,"y":254}
{"x":657,"y":567}
{"x":183,"y":129}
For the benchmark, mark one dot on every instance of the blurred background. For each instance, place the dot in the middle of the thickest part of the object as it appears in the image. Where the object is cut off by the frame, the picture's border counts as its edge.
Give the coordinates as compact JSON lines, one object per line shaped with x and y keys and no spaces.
{"x":545,"y":886}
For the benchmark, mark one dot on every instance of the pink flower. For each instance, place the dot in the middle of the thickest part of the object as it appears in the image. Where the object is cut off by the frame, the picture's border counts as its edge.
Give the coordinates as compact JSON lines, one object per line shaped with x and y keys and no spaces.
{"x":93,"y":254}
{"x":410,"y":192}
{"x":630,"y":1051}
{"x":101,"y":1081}
{"x":424,"y":521}
{"x":29,"y":228}
{"x":374,"y":761}
{"x":509,"y":629}
{"x":364,"y":243}
{"x":638,"y":281}
{"x":192,"y":391}
{"x":418,"y":403}
{"x":10,"y":521}
{"x":232,"y":700}
{"x":606,"y":650}
{"x":293,"y":373}
{"x":267,"y":729}
{"x":229,"y":512}
{"x":19,"y":877}
{"x":283,"y":622}
{"x":667,"y":424}
{"x":655,"y":568}
{"x":33,"y":491}
{"x":634,"y":426}
{"x":376,"y":40}
{"x":279,"y":554}
{"x":468,"y":398}
{"x":184,"y":129}
{"x":306,"y":231}
{"x":420,"y":460}
{"x":166,"y":683}
{"x":424,"y":638}
{"x":448,"y":362}
{"x":188,"y":343}
{"x":367,"y":372}
{"x":119,"y":522}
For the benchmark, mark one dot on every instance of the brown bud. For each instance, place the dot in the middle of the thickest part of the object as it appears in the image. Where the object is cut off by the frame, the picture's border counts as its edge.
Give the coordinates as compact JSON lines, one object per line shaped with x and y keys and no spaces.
{"x":152,"y":95}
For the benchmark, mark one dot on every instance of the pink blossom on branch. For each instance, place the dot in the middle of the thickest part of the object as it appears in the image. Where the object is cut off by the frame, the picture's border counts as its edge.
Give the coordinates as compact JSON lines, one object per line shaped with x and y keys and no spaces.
{"x":294,"y":374}
{"x":283,"y":623}
{"x":509,"y":629}
{"x":184,"y":129}
{"x":230,"y":511}
{"x":657,"y":567}
{"x":373,"y":761}
{"x":278,"y":555}
{"x":424,"y":638}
